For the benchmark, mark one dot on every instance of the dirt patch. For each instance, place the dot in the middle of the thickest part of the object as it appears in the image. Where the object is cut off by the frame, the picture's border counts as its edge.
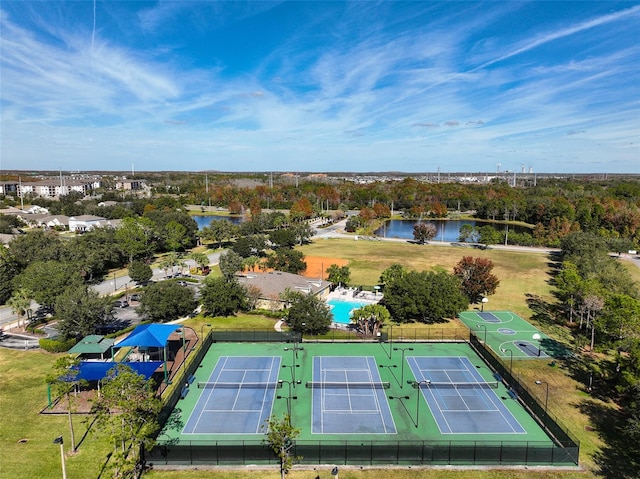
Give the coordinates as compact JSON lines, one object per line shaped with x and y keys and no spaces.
{"x":317,"y":265}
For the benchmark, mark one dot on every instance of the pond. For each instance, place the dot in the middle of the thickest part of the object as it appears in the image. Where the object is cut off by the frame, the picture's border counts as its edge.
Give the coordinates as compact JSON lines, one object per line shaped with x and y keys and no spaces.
{"x":447,"y":230}
{"x":205,"y":220}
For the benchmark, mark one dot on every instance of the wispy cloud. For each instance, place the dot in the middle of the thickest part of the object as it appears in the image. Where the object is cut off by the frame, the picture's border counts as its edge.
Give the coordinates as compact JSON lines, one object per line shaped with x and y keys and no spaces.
{"x":356,"y":83}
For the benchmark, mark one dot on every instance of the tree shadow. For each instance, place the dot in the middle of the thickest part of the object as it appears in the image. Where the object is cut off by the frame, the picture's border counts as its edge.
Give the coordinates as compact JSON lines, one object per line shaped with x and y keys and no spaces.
{"x":89,"y":425}
{"x":543,"y":311}
{"x":105,"y":465}
{"x":619,"y":458}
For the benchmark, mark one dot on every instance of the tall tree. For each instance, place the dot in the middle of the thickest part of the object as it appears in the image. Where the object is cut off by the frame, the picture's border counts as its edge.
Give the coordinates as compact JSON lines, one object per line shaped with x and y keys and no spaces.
{"x":166,"y":301}
{"x":489,"y":235}
{"x":427,"y":297}
{"x":136,"y":238}
{"x":219,"y":231}
{"x":569,"y":284}
{"x":64,"y":380}
{"x":48,"y":280}
{"x":281,"y":436}
{"x":8,"y":271}
{"x":287,"y":260}
{"x":338,"y":274}
{"x":20,"y":304}
{"x":424,"y":232}
{"x":309,"y":314}
{"x":230,"y":263}
{"x":223,"y":296}
{"x":127,"y":410}
{"x":176,"y":236}
{"x":140,"y":271}
{"x":370,"y":318}
{"x":476,"y":278}
{"x":201,"y":259}
{"x":468,"y":234}
{"x":36,"y":245}
{"x":392,"y":273}
{"x":301,"y":209}
{"x":81,"y":311}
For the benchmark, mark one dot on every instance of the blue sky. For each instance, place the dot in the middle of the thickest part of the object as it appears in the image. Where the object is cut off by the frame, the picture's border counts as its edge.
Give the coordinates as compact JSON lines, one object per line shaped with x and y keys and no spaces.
{"x":320,"y":86}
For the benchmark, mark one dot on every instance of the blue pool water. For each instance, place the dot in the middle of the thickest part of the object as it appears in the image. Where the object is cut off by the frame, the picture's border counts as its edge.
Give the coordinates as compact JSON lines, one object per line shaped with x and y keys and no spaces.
{"x":341,"y":309}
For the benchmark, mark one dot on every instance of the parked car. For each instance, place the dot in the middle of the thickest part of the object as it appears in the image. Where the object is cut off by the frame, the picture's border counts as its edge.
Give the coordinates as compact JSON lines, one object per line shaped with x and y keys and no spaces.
{"x":121,"y":303}
{"x":183,"y":283}
{"x":135,"y":297}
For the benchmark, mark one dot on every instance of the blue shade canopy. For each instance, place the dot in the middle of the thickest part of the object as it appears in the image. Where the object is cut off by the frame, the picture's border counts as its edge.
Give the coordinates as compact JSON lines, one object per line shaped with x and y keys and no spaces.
{"x":96,"y":370}
{"x":149,"y":335}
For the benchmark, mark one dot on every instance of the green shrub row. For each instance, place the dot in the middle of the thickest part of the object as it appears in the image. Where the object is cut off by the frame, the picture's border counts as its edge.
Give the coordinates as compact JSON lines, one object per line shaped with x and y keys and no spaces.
{"x":57,"y":345}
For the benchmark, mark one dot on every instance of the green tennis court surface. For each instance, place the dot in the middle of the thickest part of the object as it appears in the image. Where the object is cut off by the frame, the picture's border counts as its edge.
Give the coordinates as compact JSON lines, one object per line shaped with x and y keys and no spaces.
{"x":510,"y":336}
{"x":349,"y":391}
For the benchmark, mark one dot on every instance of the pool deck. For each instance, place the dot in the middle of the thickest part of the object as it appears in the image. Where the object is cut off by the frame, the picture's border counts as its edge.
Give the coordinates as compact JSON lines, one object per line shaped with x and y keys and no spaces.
{"x":353,"y":294}
{"x":345,"y":294}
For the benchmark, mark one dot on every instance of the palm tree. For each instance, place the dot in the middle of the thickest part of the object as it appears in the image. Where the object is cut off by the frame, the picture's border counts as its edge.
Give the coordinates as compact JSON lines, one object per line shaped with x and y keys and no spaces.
{"x":20,"y":302}
{"x":201,"y":259}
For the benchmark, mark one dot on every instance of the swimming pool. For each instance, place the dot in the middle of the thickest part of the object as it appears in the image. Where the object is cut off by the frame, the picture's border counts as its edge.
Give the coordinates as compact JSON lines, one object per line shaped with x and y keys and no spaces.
{"x":342,"y":309}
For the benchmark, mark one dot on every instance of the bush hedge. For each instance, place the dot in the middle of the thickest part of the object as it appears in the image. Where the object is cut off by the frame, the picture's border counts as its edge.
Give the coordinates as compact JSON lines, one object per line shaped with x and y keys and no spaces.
{"x":57,"y":345}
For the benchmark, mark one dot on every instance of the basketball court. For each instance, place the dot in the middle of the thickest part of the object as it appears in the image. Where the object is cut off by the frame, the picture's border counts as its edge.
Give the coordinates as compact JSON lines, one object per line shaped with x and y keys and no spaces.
{"x":510,"y":336}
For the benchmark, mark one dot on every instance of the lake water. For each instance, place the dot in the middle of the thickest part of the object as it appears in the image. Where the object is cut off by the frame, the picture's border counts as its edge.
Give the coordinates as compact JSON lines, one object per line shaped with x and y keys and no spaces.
{"x":207,"y":219}
{"x":447,"y":230}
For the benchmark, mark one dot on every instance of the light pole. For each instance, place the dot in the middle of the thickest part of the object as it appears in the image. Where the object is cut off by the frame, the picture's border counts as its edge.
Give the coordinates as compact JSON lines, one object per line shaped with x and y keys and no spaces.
{"x":402,"y":364}
{"x":538,"y":338}
{"x":546,"y":399}
{"x":403,"y":405}
{"x":417,"y":384}
{"x":202,"y":330}
{"x":505,"y":350}
{"x":389,"y":366}
{"x":59,"y":440}
{"x":289,"y":397}
{"x":483,"y":301}
{"x":485,"y":331}
{"x":294,"y":354}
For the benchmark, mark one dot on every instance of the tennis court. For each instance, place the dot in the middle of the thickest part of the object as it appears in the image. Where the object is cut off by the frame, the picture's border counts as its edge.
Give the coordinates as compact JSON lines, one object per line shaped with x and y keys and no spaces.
{"x":460,"y":399}
{"x":237,"y":397}
{"x":348,"y":397}
{"x":346,"y":391}
{"x":353,"y":403}
{"x":510,"y":336}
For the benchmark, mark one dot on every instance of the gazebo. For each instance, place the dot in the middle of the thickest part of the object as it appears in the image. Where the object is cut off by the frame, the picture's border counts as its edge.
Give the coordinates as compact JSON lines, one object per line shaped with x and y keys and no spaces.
{"x":93,"y":348}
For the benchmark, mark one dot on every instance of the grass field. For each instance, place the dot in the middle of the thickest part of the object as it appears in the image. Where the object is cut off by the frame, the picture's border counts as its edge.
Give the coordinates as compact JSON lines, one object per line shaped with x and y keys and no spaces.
{"x":23,"y":392}
{"x":519,"y":273}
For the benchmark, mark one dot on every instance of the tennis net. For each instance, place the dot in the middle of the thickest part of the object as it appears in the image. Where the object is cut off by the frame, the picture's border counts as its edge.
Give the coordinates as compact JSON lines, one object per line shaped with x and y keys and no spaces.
{"x":458,"y":385}
{"x":349,"y":385}
{"x":245,"y":385}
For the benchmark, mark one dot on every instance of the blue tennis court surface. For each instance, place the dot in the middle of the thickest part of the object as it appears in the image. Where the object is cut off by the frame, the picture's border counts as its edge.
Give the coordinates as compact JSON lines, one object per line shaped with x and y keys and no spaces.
{"x":467,"y":409}
{"x":341,"y":408}
{"x":237,"y":398}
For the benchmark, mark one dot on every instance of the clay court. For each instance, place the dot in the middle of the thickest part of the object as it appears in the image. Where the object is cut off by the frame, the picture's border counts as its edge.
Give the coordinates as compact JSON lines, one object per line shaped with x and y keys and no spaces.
{"x":317,"y":265}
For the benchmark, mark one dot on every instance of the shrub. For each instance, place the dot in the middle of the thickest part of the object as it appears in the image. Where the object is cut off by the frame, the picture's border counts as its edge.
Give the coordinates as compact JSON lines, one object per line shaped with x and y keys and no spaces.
{"x":57,"y":345}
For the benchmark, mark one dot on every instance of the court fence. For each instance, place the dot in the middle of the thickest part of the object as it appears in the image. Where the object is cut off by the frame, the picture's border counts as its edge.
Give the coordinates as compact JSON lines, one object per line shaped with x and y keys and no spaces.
{"x":565,"y":451}
{"x":554,"y":427}
{"x":365,"y":453}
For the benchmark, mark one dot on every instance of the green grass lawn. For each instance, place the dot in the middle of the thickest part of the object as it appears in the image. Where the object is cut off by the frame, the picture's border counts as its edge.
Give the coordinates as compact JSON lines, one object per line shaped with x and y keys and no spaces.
{"x":23,"y":392}
{"x":519,"y":273}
